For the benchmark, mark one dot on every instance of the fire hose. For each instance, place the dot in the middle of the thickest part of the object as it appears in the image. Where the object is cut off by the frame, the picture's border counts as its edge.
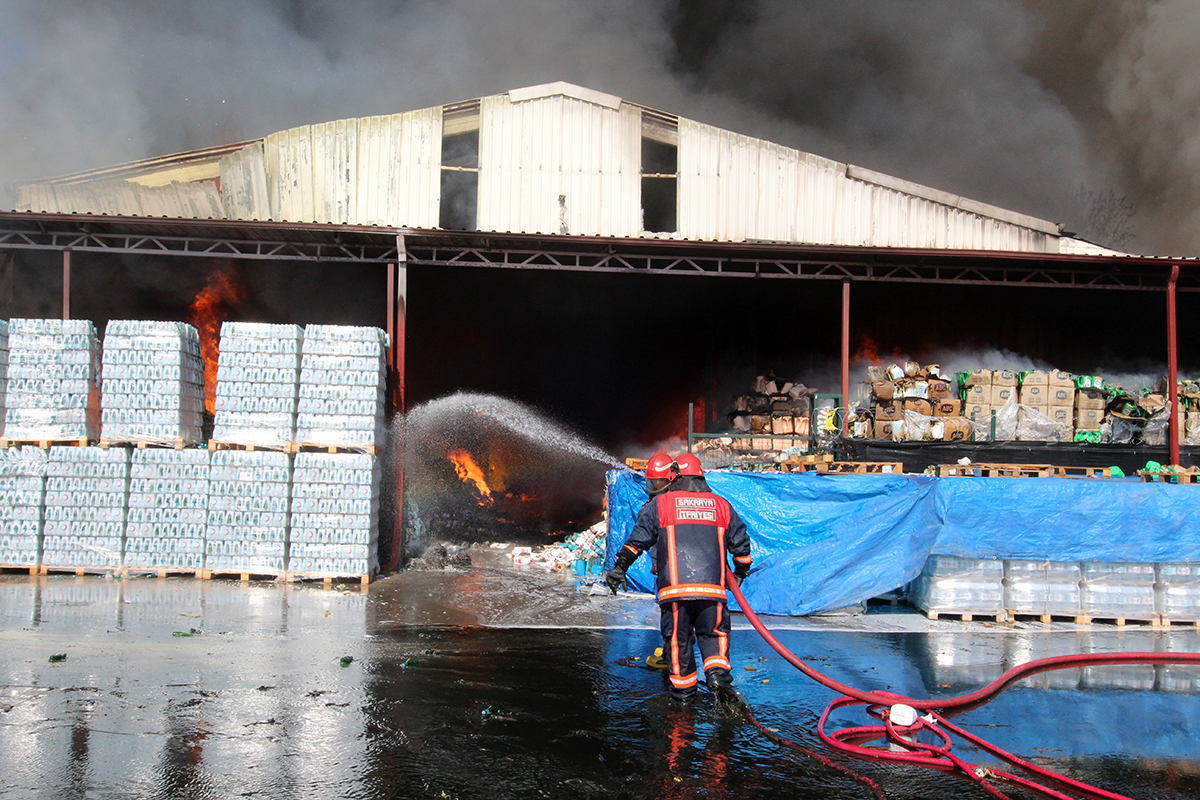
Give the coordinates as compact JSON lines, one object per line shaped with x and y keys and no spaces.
{"x":900,"y":723}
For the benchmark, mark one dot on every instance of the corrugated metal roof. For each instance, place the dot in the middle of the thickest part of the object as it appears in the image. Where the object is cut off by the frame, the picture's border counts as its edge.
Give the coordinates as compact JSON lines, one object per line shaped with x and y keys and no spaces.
{"x":553,"y":159}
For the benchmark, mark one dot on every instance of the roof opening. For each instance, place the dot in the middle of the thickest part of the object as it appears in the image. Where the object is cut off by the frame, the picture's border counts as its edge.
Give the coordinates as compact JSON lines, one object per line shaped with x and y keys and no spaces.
{"x":459,"y":203}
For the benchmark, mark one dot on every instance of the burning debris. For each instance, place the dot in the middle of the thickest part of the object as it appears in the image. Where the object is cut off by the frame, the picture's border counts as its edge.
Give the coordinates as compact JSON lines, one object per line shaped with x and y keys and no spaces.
{"x":223,"y":290}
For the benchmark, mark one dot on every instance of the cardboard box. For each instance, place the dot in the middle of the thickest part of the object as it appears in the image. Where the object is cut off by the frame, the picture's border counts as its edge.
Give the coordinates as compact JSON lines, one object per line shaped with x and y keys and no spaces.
{"x":1059,"y":395}
{"x":883,"y":428}
{"x":758,"y":443}
{"x":760,"y":423}
{"x":912,"y":388}
{"x":1033,"y":394}
{"x":782,"y":426}
{"x":979,"y":377}
{"x":1004,"y":377}
{"x":1192,"y":424}
{"x":1034,"y":377}
{"x":1087,"y":398}
{"x":890,"y":410}
{"x":978,"y":411}
{"x":1088,"y":419}
{"x":1058,"y":377}
{"x":1002,"y":394}
{"x":978,"y":393}
{"x":957,"y":429}
{"x":918,"y":405}
{"x":894,"y":372}
{"x":912,"y":369}
{"x":1063,"y":414}
{"x":947,"y":407}
{"x":883,"y":390}
{"x":939,"y":390}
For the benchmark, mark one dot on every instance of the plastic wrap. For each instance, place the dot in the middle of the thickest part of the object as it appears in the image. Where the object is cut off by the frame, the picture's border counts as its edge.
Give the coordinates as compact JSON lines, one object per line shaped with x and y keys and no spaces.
{"x":335,"y":514}
{"x":258,"y":373}
{"x":168,"y":509}
{"x":248,"y":511}
{"x":3,"y":373}
{"x":53,"y":388}
{"x":342,"y":381}
{"x":22,"y":497}
{"x":86,"y":501}
{"x":152,"y":380}
{"x":1034,"y":426}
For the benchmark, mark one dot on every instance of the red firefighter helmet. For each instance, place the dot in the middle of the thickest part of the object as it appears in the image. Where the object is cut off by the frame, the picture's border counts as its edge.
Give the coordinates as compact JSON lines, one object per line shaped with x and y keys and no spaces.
{"x":660,"y":465}
{"x":689,"y":465}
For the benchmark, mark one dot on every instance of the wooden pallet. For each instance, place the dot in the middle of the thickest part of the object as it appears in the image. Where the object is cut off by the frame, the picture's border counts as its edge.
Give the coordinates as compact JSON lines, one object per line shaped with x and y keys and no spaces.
{"x":1190,"y":476}
{"x":28,"y":569}
{"x":1153,"y":621}
{"x":310,"y":447}
{"x":163,"y":572}
{"x":242,"y":575}
{"x":214,"y":444}
{"x":45,"y":444}
{"x":993,"y":470}
{"x":1167,"y":622}
{"x":141,"y":444}
{"x":861,"y":468}
{"x":364,"y":578}
{"x":637,"y":463}
{"x":1081,"y":472}
{"x":1001,"y":616}
{"x":1029,"y":616}
{"x":70,"y":569}
{"x":807,"y":463}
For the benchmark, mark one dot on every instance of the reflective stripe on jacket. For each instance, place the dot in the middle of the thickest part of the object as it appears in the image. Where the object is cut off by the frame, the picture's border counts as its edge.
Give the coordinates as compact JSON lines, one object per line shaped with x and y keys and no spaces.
{"x":692,"y":531}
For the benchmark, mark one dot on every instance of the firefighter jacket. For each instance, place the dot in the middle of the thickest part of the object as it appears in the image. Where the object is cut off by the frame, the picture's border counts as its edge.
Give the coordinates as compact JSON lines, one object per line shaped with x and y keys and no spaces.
{"x":691,"y":532}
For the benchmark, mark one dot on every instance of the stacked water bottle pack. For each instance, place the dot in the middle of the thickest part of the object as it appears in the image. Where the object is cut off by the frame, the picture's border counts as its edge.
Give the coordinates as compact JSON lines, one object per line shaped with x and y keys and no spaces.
{"x":342,"y":382}
{"x":335,"y":514}
{"x":86,"y":497}
{"x":247,"y":524}
{"x":153,"y":378}
{"x":168,"y":502}
{"x":53,"y":391}
{"x":22,"y":496}
{"x":951,"y":585}
{"x":3,"y":372}
{"x":258,"y":370}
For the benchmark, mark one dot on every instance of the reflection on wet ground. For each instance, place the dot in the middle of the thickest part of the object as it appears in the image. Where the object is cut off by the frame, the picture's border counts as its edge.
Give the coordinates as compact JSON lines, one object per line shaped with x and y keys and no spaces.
{"x":492,"y":683}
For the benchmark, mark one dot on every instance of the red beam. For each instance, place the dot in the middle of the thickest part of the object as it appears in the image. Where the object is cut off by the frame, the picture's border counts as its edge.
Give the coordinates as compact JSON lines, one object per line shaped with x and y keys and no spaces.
{"x":1173,"y":366}
{"x":66,"y":299}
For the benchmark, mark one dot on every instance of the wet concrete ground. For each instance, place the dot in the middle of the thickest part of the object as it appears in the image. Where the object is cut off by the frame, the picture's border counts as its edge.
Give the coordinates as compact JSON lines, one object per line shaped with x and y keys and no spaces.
{"x":498,"y":683}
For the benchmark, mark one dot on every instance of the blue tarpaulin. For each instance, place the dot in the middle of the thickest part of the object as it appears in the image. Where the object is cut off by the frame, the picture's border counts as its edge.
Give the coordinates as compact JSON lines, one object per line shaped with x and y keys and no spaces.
{"x":824,"y":542}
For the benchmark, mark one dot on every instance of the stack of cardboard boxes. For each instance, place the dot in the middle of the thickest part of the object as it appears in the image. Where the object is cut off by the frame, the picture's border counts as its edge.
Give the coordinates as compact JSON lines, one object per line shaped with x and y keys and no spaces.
{"x":917,"y":390}
{"x":1050,"y":394}
{"x":1090,"y":402}
{"x":775,"y":410}
{"x":985,"y":391}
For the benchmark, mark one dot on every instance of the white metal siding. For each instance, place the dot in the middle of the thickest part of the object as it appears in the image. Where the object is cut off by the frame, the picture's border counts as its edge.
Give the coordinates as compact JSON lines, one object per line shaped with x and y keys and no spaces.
{"x":534,"y":151}
{"x":244,"y":184}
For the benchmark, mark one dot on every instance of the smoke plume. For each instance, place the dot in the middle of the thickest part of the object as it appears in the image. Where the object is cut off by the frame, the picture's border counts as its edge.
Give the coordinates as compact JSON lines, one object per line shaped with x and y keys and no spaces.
{"x":1061,"y":110}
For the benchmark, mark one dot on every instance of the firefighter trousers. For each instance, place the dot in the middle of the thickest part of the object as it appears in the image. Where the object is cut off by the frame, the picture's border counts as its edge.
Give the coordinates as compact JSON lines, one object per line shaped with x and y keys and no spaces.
{"x":689,"y":622}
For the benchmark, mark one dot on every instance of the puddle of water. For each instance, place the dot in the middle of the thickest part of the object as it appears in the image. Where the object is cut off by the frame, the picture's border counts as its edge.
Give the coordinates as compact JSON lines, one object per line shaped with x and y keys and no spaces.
{"x":437,"y":702}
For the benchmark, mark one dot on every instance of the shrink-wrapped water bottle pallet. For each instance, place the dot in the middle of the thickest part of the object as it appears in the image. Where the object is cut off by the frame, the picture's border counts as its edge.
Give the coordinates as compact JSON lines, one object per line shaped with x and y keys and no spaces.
{"x":145,"y":444}
{"x":328,"y":578}
{"x":45,"y":444}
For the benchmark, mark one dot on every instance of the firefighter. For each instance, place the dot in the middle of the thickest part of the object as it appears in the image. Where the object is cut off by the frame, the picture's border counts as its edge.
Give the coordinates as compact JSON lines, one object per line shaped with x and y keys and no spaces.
{"x":660,"y":473}
{"x":691,"y":529}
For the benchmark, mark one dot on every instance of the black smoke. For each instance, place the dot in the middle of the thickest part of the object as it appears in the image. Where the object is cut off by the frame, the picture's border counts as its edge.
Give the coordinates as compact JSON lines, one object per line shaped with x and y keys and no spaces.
{"x":1064,"y":110}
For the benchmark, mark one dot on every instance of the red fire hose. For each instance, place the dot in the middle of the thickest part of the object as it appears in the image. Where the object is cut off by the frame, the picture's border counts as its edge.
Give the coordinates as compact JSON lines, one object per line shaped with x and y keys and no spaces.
{"x":902,"y":737}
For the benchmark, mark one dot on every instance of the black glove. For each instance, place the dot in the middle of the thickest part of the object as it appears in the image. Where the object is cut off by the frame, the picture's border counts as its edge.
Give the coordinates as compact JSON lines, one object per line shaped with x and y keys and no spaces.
{"x":740,"y":573}
{"x":614,"y":578}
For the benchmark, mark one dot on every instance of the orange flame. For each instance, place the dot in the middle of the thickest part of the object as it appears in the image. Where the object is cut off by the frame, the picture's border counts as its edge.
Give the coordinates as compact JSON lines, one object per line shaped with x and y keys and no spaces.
{"x":868,"y":350}
{"x":469,"y":472}
{"x":223,"y":290}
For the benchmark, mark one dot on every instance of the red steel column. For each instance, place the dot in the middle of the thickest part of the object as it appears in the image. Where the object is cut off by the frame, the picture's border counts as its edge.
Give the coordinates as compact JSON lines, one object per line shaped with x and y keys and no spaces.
{"x":1172,"y":366}
{"x":845,"y":356}
{"x":397,"y":301}
{"x":66,"y":300}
